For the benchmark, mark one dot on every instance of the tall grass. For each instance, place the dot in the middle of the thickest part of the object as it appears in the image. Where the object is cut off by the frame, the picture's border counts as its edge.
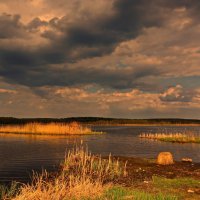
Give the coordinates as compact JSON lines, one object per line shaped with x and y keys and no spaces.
{"x":48,"y":129}
{"x":83,"y":164}
{"x":173,"y":137}
{"x":83,"y":176}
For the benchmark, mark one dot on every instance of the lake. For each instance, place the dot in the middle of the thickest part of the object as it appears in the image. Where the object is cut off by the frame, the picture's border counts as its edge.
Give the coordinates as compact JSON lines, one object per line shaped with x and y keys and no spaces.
{"x":20,"y":154}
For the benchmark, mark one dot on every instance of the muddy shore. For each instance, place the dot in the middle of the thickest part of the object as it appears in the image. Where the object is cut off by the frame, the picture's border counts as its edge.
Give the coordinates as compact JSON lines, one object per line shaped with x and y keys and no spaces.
{"x":141,"y":169}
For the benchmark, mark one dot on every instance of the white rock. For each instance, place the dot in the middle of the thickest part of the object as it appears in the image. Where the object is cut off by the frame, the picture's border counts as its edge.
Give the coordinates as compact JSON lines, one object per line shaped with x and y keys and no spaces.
{"x":187,"y":160}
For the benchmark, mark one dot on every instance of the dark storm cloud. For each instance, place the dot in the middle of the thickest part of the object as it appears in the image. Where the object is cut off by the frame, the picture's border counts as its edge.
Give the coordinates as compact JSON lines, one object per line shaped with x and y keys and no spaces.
{"x":117,"y":79}
{"x":36,"y":23}
{"x":69,"y":43}
{"x":127,"y":22}
{"x":132,"y":15}
{"x":12,"y":58}
{"x":10,"y":26}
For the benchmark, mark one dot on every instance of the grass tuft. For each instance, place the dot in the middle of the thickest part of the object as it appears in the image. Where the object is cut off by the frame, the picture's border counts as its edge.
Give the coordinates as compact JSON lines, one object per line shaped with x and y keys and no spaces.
{"x":82,"y":163}
{"x":7,"y":192}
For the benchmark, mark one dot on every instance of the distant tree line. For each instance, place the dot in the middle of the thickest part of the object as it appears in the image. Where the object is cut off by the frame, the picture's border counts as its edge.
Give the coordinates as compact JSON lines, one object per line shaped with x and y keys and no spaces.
{"x":97,"y":120}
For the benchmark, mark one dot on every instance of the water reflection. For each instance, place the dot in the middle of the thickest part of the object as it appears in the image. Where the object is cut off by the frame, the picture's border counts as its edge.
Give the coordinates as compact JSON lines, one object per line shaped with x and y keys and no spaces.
{"x":20,"y":154}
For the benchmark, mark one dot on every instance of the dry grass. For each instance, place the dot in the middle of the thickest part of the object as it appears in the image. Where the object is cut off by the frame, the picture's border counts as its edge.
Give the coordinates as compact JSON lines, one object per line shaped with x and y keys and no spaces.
{"x":47,"y":129}
{"x":81,"y":162}
{"x":82,"y":176}
{"x":173,"y":137}
{"x":60,"y":189}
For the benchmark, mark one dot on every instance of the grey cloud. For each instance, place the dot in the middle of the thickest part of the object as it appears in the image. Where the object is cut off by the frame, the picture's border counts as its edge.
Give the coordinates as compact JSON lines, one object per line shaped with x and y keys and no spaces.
{"x":127,"y":22}
{"x":10,"y":26}
{"x":192,"y":7}
{"x":36,"y":23}
{"x":69,"y":76}
{"x":102,"y":34}
{"x":177,"y":94}
{"x":69,"y":43}
{"x":14,"y":57}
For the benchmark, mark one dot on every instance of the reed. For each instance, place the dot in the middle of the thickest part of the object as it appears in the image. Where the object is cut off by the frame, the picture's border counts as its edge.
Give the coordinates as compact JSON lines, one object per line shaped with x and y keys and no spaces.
{"x":83,"y":164}
{"x":172,"y":137}
{"x":72,"y":128}
{"x":82,"y":176}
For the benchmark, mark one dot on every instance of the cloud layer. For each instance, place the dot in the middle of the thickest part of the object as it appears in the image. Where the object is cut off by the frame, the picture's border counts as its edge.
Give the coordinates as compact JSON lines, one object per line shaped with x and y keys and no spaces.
{"x":84,"y":53}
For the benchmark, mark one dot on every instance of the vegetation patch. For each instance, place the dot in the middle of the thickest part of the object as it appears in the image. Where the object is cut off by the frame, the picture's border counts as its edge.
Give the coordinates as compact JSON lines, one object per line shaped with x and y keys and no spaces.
{"x":175,"y":137}
{"x":72,"y":128}
{"x":184,"y":188}
{"x":162,"y":182}
{"x":119,"y":193}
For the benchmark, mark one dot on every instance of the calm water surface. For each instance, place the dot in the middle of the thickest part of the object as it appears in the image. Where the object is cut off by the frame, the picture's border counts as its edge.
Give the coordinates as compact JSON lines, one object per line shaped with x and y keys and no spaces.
{"x":19,"y":155}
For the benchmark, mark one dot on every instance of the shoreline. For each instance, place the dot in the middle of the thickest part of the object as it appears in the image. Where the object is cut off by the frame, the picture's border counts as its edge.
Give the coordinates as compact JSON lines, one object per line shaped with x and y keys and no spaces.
{"x":150,"y":167}
{"x":145,"y":168}
{"x":51,"y":134}
{"x":142,"y":175}
{"x":143,"y":125}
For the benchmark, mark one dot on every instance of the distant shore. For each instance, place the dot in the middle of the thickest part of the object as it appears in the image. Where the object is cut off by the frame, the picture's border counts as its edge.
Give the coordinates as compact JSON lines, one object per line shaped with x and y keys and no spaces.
{"x":144,"y":124}
{"x":101,"y":121}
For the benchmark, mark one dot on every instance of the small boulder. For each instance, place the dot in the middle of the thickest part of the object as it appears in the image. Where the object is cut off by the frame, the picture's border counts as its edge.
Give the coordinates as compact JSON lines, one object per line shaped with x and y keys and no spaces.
{"x":165,"y":158}
{"x":189,"y":160}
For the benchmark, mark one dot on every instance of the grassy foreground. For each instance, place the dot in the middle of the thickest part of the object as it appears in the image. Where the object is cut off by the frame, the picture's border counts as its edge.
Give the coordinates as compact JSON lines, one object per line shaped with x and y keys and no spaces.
{"x":72,"y":128}
{"x":176,"y":137}
{"x":84,"y":176}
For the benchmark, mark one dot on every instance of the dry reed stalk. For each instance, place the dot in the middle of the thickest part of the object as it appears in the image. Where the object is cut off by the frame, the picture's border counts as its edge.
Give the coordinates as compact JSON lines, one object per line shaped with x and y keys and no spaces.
{"x":50,"y":128}
{"x":80,"y":161}
{"x":60,"y":189}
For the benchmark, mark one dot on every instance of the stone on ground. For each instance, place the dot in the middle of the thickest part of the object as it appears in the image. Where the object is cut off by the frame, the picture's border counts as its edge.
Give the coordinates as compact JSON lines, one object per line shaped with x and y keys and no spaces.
{"x":165,"y":158}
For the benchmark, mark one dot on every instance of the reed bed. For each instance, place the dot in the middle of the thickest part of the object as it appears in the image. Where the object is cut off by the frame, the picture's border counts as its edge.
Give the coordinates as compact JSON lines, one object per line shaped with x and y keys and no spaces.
{"x":172,"y":137}
{"x":72,"y":128}
{"x":82,"y":176}
{"x":80,"y":161}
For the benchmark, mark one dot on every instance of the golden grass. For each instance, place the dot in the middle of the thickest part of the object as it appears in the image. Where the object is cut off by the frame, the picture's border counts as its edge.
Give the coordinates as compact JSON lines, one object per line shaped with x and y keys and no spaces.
{"x":82,"y":176}
{"x":60,"y":188}
{"x":47,"y":129}
{"x":80,"y":161}
{"x":173,"y":137}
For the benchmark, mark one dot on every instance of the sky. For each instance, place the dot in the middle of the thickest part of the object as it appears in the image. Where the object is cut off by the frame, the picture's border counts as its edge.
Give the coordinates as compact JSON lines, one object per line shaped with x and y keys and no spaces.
{"x":106,"y":58}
